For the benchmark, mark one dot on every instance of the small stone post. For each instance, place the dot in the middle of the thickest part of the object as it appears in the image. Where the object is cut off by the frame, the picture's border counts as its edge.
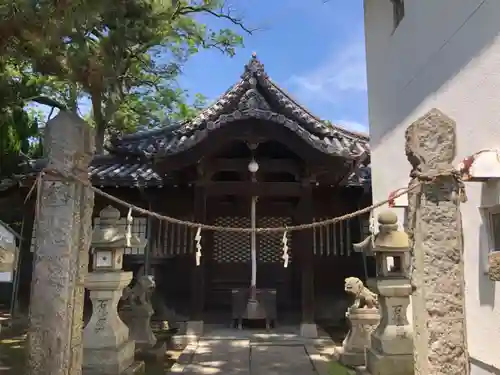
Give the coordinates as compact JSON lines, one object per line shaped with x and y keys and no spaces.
{"x":108,"y":350}
{"x":434,"y":222}
{"x":62,"y":241}
{"x":363,"y":317}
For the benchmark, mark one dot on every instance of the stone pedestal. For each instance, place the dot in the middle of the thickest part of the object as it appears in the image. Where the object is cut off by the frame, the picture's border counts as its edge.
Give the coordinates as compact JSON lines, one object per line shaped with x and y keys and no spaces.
{"x":391,"y":348}
{"x":363,"y":322}
{"x":138,"y":321}
{"x":309,"y":330}
{"x":107,"y":347}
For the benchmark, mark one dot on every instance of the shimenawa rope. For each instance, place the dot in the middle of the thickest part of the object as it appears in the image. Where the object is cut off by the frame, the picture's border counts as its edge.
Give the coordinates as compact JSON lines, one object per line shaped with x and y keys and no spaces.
{"x":424,"y":179}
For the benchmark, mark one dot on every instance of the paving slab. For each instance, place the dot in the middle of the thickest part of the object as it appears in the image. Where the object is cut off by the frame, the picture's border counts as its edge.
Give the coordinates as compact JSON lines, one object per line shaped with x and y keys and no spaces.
{"x":280,"y":360}
{"x":224,"y":357}
{"x":232,"y":352}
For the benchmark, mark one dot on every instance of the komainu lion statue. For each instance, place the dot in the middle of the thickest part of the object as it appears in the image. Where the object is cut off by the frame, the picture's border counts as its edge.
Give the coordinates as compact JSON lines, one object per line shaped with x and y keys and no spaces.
{"x":140,"y":293}
{"x":364,"y":297}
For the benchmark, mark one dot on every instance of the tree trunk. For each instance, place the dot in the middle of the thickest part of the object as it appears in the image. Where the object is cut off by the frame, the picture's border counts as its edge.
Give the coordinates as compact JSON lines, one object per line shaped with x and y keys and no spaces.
{"x":100,"y":131}
{"x":100,"y":123}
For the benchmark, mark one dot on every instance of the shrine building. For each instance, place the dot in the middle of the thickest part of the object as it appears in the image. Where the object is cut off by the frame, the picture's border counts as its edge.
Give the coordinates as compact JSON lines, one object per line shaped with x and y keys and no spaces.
{"x":254,"y":141}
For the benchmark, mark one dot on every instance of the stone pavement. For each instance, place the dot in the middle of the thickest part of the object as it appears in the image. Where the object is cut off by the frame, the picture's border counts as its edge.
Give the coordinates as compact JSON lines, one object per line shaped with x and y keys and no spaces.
{"x":233,"y":352}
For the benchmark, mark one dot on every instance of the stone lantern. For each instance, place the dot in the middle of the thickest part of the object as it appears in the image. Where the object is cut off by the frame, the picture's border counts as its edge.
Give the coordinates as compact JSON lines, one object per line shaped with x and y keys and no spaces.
{"x":391,"y":347}
{"x":107,"y":346}
{"x":391,"y":248}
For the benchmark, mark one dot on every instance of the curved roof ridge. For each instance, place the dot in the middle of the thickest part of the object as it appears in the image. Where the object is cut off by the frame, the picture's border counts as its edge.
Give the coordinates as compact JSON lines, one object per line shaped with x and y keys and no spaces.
{"x":296,"y":102}
{"x":151,"y":132}
{"x":254,"y":96}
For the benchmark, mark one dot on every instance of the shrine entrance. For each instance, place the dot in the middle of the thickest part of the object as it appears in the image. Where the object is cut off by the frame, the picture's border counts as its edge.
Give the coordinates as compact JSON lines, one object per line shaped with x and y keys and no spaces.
{"x":229,"y":267}
{"x":293,"y":184}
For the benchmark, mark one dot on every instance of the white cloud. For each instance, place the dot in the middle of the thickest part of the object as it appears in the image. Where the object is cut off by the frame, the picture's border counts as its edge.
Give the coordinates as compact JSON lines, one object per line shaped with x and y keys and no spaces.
{"x":342,"y":73}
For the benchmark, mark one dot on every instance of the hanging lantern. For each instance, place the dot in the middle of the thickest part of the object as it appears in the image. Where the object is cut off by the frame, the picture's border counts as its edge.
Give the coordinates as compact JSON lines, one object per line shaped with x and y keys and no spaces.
{"x":8,"y":249}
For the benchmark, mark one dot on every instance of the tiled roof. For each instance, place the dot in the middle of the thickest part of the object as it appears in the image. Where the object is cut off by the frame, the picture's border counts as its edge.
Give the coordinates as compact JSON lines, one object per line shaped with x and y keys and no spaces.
{"x":114,"y":171}
{"x":124,"y":173}
{"x":254,"y":96}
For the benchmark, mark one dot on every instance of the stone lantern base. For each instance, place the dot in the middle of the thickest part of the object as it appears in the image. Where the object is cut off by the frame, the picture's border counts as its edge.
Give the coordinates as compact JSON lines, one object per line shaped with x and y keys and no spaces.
{"x":112,"y":361}
{"x":384,"y":364}
{"x":107,"y":348}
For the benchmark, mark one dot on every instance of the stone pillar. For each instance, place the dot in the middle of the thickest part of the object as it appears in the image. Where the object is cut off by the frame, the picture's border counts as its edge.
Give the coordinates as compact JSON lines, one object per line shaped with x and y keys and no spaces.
{"x":362,"y":320}
{"x":62,"y":243}
{"x":108,"y":350}
{"x":494,"y":266}
{"x":435,"y":226}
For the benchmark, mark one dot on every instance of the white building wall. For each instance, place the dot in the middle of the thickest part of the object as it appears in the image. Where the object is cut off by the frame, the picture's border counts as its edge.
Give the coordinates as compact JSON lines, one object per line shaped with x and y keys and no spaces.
{"x":444,"y":54}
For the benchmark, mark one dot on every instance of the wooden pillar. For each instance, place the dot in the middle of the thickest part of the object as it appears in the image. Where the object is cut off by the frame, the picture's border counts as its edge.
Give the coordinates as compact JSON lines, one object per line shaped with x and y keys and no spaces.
{"x":305,"y":250}
{"x":198,"y":279}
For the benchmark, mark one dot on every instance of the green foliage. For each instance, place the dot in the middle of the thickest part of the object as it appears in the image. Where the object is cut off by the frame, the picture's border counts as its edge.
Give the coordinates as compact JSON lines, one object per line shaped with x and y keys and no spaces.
{"x":337,"y":368}
{"x":124,"y":56}
{"x":17,"y":123}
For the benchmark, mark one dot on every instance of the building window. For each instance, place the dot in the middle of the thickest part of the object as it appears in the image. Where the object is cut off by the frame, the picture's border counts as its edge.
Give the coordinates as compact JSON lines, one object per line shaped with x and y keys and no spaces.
{"x":494,"y":228}
{"x":398,"y":11}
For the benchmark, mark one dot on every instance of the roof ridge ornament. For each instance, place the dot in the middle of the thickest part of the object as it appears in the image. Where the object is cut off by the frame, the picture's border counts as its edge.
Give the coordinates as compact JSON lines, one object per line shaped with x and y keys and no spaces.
{"x":254,"y":68}
{"x":252,"y":99}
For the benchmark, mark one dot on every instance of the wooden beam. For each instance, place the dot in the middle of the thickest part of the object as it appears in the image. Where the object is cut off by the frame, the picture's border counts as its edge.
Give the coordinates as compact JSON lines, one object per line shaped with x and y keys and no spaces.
{"x":241,"y":207}
{"x":265,"y":165}
{"x":361,"y":160}
{"x":304,"y":242}
{"x":261,"y":189}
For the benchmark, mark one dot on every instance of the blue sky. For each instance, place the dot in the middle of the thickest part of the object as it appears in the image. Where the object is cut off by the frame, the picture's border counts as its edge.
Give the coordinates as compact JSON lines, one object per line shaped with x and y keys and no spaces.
{"x":313,"y":49}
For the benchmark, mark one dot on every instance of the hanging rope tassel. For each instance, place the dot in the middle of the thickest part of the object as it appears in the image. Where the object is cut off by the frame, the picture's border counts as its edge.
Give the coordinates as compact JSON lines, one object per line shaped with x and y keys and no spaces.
{"x":285,"y":255}
{"x":372,"y":228}
{"x":128,"y":233}
{"x":197,"y":239}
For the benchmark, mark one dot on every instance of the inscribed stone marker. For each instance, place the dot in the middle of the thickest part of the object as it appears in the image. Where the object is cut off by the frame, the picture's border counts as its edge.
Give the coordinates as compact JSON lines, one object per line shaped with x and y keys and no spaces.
{"x":435,"y":228}
{"x":61,"y":251}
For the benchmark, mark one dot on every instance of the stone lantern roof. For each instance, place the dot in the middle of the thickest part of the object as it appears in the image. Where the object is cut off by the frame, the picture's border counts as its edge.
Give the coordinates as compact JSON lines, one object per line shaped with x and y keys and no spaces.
{"x":389,"y":238}
{"x":110,"y":234}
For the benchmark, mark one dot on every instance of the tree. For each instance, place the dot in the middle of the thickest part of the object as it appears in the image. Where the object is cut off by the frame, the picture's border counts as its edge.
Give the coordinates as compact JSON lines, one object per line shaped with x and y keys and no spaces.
{"x":17,"y":124}
{"x":123,"y":55}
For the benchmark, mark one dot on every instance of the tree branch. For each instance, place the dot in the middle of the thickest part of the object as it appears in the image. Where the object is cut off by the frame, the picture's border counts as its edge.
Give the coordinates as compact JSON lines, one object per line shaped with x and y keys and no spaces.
{"x":189,"y":9}
{"x":48,"y":102}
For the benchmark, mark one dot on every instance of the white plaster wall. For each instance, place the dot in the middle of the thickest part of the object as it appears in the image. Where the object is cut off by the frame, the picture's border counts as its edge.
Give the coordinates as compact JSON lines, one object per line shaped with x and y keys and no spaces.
{"x":444,"y":54}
